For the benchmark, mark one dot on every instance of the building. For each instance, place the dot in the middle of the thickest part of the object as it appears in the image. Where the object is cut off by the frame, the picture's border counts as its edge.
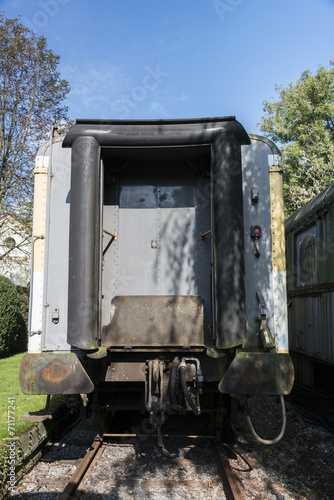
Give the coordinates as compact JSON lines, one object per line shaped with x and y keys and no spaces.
{"x":15,"y":250}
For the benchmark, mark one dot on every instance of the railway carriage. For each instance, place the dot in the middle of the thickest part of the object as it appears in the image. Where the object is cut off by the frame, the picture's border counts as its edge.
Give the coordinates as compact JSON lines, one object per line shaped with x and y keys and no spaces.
{"x":310,"y":272}
{"x":158,"y":268}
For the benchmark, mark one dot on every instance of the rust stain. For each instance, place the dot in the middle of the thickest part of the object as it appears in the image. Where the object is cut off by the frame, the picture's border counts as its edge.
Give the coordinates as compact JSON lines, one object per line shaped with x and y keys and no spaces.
{"x":55,"y":372}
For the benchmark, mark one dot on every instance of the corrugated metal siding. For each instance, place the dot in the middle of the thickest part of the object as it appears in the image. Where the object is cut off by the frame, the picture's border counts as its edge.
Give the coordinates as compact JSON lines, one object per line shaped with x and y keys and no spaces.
{"x":304,"y":323}
{"x":311,"y":326}
{"x":325,"y":237}
{"x":311,"y":316}
{"x":326,"y":339}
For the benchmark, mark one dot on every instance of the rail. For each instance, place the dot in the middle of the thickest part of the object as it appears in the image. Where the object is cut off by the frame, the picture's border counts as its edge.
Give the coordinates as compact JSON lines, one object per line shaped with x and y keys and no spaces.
{"x":230,"y":484}
{"x":78,"y":475}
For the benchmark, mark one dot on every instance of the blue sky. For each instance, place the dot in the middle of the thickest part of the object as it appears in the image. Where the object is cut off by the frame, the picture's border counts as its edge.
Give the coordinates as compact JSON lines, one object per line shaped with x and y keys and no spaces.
{"x":179,"y":59}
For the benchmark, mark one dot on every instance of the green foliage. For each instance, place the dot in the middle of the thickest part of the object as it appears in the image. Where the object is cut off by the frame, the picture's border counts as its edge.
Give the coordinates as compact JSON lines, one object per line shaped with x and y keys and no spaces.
{"x":302,"y":122}
{"x":23,"y":293}
{"x":13,"y":330}
{"x":31,"y":95}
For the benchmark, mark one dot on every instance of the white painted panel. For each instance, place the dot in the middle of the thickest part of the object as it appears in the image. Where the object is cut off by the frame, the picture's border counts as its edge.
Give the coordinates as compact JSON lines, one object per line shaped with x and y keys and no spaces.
{"x":36,"y":311}
{"x":280,"y":310}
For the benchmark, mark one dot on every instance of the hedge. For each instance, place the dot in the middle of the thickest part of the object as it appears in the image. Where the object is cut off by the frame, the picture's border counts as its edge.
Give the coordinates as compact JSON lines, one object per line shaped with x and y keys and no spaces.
{"x":13,"y":327}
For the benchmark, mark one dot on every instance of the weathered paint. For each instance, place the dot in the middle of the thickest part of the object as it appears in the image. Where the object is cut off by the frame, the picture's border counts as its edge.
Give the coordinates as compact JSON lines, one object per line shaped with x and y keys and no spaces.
{"x":311,"y":304}
{"x":162,"y":320}
{"x":265,"y":273}
{"x":278,"y":253}
{"x":53,"y":373}
{"x":280,"y":311}
{"x":228,"y":251}
{"x":57,"y":249}
{"x":258,"y":373}
{"x":40,"y":193}
{"x":277,"y":217}
{"x":84,"y":245}
{"x":311,"y":325}
{"x":158,"y":137}
{"x":38,"y":253}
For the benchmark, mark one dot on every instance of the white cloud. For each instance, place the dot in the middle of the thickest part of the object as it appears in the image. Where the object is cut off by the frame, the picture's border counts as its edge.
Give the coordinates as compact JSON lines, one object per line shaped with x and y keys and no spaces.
{"x":94,"y":85}
{"x":100,"y":89}
{"x":159,"y":109}
{"x":181,"y":98}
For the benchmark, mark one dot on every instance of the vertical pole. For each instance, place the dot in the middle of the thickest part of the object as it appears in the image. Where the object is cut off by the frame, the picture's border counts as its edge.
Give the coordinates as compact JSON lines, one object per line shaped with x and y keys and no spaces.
{"x":229,"y":272}
{"x":84,"y":252}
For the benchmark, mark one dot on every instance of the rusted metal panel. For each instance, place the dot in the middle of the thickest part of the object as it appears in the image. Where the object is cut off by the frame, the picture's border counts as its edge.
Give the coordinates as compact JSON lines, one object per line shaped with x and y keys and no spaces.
{"x":149,"y":320}
{"x":53,"y":373}
{"x":258,"y":373}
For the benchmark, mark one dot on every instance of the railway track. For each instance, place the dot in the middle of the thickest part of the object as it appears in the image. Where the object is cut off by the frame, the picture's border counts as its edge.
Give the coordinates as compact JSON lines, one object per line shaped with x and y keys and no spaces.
{"x":188,"y":468}
{"x":144,"y":469}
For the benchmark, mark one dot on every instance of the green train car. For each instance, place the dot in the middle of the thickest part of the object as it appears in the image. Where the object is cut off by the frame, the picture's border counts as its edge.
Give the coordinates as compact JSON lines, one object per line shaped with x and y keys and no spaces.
{"x":310,"y":284}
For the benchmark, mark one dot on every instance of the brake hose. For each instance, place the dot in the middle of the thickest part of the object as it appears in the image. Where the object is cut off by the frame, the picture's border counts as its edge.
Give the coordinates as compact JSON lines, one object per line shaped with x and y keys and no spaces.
{"x":256,"y":436}
{"x":173,"y":385}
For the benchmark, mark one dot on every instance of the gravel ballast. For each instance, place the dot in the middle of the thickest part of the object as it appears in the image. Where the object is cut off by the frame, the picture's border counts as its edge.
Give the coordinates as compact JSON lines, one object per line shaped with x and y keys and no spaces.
{"x":299,"y":467}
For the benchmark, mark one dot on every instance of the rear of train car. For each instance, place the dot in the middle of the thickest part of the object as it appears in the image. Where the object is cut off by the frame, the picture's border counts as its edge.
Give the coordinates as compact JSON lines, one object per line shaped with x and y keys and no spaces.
{"x":158,"y":269}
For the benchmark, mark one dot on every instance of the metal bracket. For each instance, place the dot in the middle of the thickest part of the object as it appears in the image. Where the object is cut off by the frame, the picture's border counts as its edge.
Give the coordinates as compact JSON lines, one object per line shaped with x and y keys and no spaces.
{"x":128,"y":344}
{"x":155,"y":400}
{"x":266,"y":337}
{"x":202,"y":235}
{"x":32,"y":333}
{"x":113,"y":235}
{"x":55,"y":316}
{"x":262,"y":303}
{"x":256,"y":238}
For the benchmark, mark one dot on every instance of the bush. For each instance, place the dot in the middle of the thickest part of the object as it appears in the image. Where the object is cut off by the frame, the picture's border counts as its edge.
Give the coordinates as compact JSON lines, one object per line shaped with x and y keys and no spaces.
{"x":23,"y":292}
{"x":13,"y":330}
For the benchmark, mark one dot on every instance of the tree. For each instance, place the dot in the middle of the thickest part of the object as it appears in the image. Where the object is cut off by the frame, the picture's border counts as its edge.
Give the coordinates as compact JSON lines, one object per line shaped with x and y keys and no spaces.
{"x":302,"y":123}
{"x":31,"y":97}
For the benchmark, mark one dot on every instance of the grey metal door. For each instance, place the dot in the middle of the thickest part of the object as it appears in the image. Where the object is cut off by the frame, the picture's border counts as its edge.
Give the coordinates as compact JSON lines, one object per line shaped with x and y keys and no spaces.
{"x":157,"y":242}
{"x":158,"y":252}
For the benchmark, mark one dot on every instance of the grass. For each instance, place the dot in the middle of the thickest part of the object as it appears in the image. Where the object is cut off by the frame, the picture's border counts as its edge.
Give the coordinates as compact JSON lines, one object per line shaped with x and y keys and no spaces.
{"x":10,"y":388}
